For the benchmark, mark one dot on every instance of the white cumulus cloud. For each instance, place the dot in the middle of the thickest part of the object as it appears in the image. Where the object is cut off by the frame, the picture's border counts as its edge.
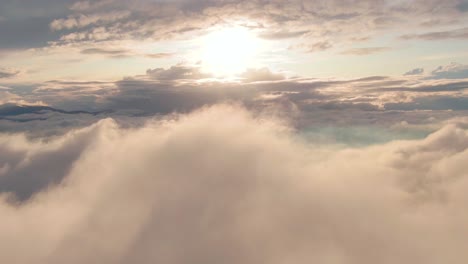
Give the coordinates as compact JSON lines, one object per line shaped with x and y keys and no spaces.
{"x":223,"y":186}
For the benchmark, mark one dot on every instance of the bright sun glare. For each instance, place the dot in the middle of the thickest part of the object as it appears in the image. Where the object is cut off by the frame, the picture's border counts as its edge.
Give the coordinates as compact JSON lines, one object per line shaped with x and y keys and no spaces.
{"x":229,"y":51}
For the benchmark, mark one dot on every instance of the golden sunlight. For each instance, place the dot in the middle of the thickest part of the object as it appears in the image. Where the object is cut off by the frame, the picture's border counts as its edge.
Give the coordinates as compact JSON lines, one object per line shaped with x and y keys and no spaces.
{"x":229,"y":51}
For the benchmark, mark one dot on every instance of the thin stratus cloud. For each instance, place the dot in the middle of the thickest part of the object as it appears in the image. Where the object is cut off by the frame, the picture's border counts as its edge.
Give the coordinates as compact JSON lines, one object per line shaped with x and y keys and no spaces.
{"x":234,"y":131}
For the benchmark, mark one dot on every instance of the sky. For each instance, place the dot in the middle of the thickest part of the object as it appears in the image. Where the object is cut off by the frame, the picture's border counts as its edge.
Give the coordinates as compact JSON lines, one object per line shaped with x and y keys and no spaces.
{"x":233,"y":131}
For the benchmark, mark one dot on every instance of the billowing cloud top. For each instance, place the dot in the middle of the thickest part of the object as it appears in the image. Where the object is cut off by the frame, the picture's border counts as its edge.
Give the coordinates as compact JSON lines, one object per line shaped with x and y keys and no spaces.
{"x":206,"y":188}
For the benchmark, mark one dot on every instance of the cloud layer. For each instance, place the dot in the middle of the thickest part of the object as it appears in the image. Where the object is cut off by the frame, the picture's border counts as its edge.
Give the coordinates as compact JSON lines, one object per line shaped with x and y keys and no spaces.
{"x":223,"y":185}
{"x":417,"y":98}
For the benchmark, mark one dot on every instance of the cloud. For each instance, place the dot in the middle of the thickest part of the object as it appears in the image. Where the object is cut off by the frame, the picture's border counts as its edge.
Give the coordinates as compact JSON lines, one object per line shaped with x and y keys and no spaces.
{"x":87,"y":5}
{"x":107,"y":52}
{"x":453,"y":86}
{"x":258,"y":75}
{"x":157,"y":20}
{"x":364,"y":51}
{"x":451,"y":71}
{"x":461,"y":33}
{"x":463,"y":6}
{"x":417,"y":71}
{"x":8,"y":110}
{"x":6,"y":96}
{"x":8,"y":73}
{"x":315,"y":47}
{"x":178,"y":72}
{"x":159,"y":55}
{"x":205,"y":188}
{"x":432,"y":103}
{"x":26,"y":32}
{"x":282,"y":34}
{"x":81,"y":21}
{"x":375,"y":100}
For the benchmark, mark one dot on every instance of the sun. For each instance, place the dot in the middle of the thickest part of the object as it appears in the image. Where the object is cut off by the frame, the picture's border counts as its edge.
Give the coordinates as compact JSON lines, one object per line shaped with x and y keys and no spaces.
{"x":228,"y":51}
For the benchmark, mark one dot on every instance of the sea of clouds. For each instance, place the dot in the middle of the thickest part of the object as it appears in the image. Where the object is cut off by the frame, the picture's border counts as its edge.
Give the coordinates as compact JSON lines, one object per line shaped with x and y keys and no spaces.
{"x":222,"y":185}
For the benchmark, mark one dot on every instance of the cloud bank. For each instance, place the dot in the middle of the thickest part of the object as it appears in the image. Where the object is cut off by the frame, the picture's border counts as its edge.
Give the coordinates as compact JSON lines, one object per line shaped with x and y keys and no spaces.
{"x":222,"y":185}
{"x":380,"y":101}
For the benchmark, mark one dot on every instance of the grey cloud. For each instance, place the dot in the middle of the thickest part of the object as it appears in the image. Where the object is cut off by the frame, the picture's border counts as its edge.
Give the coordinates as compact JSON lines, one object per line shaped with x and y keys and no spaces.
{"x":432,"y":103}
{"x":7,"y":110}
{"x":263,"y":74}
{"x":119,"y":53}
{"x":113,"y":53}
{"x":461,"y":33}
{"x":6,"y":96}
{"x":92,"y":21}
{"x":441,"y":87}
{"x":8,"y":73}
{"x":87,"y":5}
{"x":178,"y":72}
{"x":140,"y":97}
{"x":25,"y":23}
{"x":19,"y":10}
{"x":314,"y":47}
{"x":25,"y":33}
{"x":463,"y":6}
{"x":175,"y":90}
{"x":365,"y":51}
{"x":451,"y":71}
{"x":82,"y":21}
{"x":278,"y":20}
{"x":417,"y":71}
{"x":159,"y":55}
{"x":283,"y":34}
{"x":319,"y":46}
{"x":179,"y":89}
{"x":45,"y":168}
